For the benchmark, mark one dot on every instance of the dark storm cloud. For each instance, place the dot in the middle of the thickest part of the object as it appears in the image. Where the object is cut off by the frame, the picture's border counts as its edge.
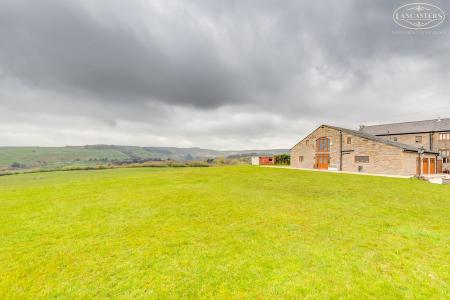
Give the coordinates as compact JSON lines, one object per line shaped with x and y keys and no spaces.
{"x":57,"y":44}
{"x":280,"y":63}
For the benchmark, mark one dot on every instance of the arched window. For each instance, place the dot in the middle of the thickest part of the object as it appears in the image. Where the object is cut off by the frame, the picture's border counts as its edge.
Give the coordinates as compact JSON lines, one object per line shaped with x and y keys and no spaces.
{"x":323,"y":144}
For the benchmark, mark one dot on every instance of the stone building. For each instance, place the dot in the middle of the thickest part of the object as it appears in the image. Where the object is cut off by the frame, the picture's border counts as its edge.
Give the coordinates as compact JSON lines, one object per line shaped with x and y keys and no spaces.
{"x":334,"y":148}
{"x":433,"y":135}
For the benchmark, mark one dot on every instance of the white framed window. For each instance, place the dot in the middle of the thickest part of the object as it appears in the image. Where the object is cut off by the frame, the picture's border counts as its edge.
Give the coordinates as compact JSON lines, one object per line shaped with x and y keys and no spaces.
{"x":444,"y":136}
{"x":445,"y":154}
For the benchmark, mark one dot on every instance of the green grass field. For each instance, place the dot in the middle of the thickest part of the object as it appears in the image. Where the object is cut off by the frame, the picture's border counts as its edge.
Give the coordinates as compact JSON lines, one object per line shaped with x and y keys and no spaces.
{"x":230,"y":232}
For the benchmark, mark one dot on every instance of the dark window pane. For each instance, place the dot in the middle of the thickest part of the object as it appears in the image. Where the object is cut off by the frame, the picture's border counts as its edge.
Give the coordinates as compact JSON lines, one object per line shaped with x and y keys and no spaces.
{"x":361,"y":159}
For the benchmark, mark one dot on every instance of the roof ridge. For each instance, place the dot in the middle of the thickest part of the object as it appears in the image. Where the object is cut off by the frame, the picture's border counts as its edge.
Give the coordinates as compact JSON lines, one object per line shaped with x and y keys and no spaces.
{"x":424,"y":126}
{"x":395,"y":123}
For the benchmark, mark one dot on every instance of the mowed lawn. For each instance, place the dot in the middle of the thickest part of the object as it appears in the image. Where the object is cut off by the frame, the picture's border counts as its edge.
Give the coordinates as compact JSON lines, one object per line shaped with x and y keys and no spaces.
{"x":224,"y":232}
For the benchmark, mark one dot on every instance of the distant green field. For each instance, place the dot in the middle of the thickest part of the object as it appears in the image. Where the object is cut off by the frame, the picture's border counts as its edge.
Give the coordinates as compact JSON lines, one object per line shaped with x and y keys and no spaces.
{"x":232,"y":232}
{"x":50,"y":157}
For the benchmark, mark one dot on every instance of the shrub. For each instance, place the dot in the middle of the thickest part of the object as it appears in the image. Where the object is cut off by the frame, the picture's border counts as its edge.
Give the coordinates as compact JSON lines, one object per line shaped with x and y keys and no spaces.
{"x":16,"y":165}
{"x":282,"y":159}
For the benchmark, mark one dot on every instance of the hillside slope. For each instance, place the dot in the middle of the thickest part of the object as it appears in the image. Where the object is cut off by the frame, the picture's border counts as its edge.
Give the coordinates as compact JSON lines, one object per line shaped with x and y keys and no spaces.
{"x":54,"y":157}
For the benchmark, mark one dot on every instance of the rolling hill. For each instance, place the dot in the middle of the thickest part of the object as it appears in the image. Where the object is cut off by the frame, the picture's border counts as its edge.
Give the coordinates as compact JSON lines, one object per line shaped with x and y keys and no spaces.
{"x":89,"y":155}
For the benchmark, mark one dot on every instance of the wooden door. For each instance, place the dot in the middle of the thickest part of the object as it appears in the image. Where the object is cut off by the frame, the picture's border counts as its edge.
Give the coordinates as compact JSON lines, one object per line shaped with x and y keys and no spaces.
{"x":432,"y":165}
{"x":425,"y":166}
{"x":322,"y":161}
{"x":439,"y":166}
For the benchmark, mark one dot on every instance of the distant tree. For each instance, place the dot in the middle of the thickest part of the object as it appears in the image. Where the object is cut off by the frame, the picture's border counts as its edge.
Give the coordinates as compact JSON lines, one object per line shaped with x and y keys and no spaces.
{"x":282,"y":159}
{"x":16,"y":165}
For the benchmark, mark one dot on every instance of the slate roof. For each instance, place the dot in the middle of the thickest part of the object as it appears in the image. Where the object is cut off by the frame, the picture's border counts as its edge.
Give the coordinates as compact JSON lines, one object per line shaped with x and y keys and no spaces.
{"x":378,"y":139}
{"x":436,"y":125}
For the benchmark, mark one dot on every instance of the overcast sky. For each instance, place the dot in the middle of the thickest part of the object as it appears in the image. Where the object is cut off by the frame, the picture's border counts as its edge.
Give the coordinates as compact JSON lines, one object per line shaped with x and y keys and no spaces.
{"x":216,"y":74}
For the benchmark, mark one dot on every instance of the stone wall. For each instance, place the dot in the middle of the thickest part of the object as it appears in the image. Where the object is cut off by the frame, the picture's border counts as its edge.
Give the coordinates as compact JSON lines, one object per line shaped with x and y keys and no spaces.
{"x":383,"y":159}
{"x":410,"y":139}
{"x":410,"y":161}
{"x":441,"y":145}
